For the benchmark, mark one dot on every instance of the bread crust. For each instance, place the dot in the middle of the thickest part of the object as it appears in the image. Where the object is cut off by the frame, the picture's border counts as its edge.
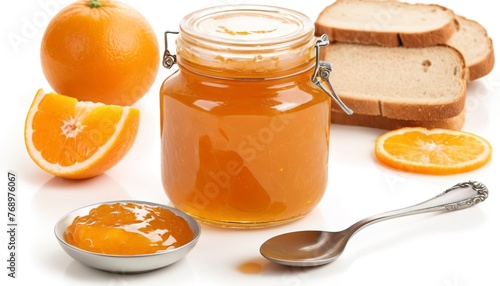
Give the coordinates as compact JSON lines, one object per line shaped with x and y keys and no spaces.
{"x":405,"y":108}
{"x":400,"y":110}
{"x":483,"y":66}
{"x":435,"y":37}
{"x":438,"y":35}
{"x":381,"y":122}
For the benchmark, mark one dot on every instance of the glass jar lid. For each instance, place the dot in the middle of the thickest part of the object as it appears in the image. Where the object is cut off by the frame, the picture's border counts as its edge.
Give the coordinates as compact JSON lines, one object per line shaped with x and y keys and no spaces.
{"x":250,"y":41}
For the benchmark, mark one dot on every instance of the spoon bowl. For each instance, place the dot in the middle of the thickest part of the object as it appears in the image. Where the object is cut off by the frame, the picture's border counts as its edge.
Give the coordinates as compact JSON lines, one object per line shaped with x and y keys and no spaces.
{"x":126,"y":264}
{"x":310,"y":247}
{"x":315,"y":247}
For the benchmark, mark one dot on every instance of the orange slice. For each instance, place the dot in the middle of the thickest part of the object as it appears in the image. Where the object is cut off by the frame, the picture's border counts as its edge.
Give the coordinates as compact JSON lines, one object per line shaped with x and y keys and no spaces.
{"x":75,"y":139}
{"x":434,"y":151}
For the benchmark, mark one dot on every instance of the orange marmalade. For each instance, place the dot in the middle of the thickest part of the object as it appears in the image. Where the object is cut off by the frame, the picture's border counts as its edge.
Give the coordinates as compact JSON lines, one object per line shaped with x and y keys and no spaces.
{"x":244,"y":131}
{"x":128,"y":229}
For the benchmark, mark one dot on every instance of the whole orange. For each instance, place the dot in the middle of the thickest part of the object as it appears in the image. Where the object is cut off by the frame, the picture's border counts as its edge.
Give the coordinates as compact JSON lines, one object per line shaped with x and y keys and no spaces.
{"x":100,"y":51}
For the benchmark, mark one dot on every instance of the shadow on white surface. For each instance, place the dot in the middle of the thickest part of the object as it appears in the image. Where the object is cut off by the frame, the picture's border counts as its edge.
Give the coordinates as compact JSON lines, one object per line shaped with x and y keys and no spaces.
{"x":415,"y":232}
{"x":79,"y":274}
{"x":59,"y":196}
{"x":440,"y":229}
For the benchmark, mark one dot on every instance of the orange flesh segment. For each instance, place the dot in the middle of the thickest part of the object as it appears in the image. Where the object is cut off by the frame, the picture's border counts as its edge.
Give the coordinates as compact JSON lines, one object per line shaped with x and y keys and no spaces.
{"x":76,"y":139}
{"x":436,"y":151}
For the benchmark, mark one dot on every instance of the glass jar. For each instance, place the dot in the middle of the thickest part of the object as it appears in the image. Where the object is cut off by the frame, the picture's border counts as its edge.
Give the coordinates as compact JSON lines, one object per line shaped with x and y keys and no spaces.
{"x":244,"y":126}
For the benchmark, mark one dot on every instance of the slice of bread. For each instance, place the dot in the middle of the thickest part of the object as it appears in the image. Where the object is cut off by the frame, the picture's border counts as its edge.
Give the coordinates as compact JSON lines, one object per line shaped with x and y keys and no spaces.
{"x":386,"y":23}
{"x":374,"y":121}
{"x":399,"y":83}
{"x":476,"y":46}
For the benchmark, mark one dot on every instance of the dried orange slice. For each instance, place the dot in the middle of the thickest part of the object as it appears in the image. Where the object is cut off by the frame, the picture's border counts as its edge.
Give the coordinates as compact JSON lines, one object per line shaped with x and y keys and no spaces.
{"x":78,"y":139}
{"x":432,"y":151}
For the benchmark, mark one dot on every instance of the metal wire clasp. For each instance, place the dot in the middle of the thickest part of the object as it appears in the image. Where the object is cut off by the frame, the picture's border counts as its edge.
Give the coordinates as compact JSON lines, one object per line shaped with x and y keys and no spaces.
{"x":323,"y":70}
{"x":169,"y":60}
{"x":321,"y":73}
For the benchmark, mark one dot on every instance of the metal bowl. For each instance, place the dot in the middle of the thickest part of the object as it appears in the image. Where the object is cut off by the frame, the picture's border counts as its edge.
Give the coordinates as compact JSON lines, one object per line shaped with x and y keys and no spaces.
{"x":125,"y":263}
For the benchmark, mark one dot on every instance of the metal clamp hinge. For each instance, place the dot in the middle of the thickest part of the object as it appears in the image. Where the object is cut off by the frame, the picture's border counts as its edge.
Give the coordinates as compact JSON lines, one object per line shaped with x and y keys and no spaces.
{"x":323,"y":70}
{"x":169,"y":60}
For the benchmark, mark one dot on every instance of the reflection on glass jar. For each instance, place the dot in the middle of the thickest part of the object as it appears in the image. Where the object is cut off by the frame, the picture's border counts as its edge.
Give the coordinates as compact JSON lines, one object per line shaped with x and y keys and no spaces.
{"x":244,"y":130}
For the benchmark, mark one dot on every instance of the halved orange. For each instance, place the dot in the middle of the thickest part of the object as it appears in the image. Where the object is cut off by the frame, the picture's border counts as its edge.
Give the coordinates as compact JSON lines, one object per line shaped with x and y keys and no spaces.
{"x":432,"y":151}
{"x":78,"y":139}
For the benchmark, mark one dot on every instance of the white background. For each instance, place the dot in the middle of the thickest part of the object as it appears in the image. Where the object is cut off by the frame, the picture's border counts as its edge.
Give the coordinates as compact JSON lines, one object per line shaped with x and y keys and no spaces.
{"x":453,"y":249}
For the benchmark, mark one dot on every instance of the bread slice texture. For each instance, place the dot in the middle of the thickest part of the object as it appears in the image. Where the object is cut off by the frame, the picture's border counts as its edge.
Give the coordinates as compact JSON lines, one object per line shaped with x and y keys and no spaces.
{"x":386,"y":23}
{"x":374,"y":121}
{"x":397,"y":82}
{"x":476,"y":46}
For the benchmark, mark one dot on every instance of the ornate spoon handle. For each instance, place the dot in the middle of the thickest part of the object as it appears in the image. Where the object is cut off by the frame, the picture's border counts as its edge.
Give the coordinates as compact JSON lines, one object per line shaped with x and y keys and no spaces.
{"x":460,"y":196}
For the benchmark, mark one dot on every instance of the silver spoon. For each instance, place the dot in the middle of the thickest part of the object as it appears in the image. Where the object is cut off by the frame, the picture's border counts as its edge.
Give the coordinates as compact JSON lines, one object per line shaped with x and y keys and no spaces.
{"x":314,"y":247}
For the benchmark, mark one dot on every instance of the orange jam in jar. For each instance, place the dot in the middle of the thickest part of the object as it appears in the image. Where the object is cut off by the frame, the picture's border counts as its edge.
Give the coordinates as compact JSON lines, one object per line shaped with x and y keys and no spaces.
{"x":128,"y":229}
{"x":244,"y":130}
